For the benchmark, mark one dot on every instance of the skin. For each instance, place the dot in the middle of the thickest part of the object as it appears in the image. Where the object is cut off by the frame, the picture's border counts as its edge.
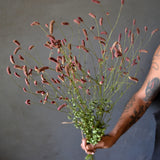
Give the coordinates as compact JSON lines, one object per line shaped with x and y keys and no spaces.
{"x":134,"y":109}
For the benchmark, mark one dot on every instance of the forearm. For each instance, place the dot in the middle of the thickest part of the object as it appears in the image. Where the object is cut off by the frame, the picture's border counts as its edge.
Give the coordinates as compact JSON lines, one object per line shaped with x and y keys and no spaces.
{"x":133,"y":111}
{"x":139,"y":103}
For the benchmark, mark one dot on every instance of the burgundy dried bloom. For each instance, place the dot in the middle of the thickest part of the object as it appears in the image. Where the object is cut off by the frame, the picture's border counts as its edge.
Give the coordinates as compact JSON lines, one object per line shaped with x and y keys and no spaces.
{"x":154,"y":31}
{"x":101,"y":82}
{"x":30,"y":72}
{"x":107,"y":13}
{"x":134,"y":62}
{"x":85,"y":33}
{"x":25,"y":70}
{"x":126,"y":30}
{"x":53,"y":60}
{"x":51,"y":26}
{"x":99,"y":38}
{"x":45,"y":82}
{"x":28,"y":102}
{"x":91,"y":28}
{"x":76,"y":21}
{"x":57,"y":81}
{"x":21,"y":58}
{"x":25,"y":90}
{"x":83,"y":81}
{"x":82,"y":47}
{"x":80,"y":19}
{"x":122,"y":2}
{"x":59,"y":68}
{"x":53,"y":102}
{"x":36,"y":68}
{"x":61,"y":78}
{"x":143,"y":51}
{"x":35,"y":83}
{"x":17,"y":75}
{"x":83,"y":43}
{"x":8,"y":70}
{"x":67,"y":70}
{"x":129,"y":33}
{"x":119,"y":37}
{"x":125,"y":73}
{"x":134,"y":22}
{"x":42,"y":77}
{"x":41,"y":92}
{"x":62,"y":106}
{"x":133,"y":79}
{"x":79,"y":66}
{"x":16,"y":42}
{"x":18,"y":67}
{"x":127,"y":59}
{"x":117,"y":53}
{"x":64,"y":23}
{"x":145,"y":28}
{"x":96,"y":1}
{"x":110,"y":69}
{"x":59,"y":58}
{"x":63,"y":59}
{"x":126,"y":50}
{"x":101,"y":21}
{"x":88,"y":92}
{"x":104,"y":32}
{"x":103,"y":51}
{"x":100,"y":60}
{"x":48,"y":46}
{"x":102,"y":42}
{"x":35,"y":23}
{"x":60,"y":98}
{"x":46,"y":25}
{"x":132,"y":38}
{"x":12,"y":59}
{"x":16,"y":50}
{"x":27,"y":82}
{"x":46,"y":98}
{"x":138,"y":31}
{"x":75,"y":60}
{"x":30,"y":47}
{"x":62,"y":42}
{"x":92,"y":15}
{"x":138,"y":58}
{"x":42,"y":69}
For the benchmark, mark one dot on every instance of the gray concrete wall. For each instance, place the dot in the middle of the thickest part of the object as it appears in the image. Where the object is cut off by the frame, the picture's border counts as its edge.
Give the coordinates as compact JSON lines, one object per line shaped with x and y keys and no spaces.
{"x":35,"y":132}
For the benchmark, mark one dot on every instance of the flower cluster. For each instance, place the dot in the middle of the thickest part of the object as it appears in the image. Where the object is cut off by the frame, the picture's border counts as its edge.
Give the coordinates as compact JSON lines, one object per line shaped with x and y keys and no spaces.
{"x":85,"y":77}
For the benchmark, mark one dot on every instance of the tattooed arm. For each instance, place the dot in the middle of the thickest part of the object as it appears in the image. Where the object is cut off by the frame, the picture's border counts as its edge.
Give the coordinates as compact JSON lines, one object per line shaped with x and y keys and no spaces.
{"x":135,"y":108}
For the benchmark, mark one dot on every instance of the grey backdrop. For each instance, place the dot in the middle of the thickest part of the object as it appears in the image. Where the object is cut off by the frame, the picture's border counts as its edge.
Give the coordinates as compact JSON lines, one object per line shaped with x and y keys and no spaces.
{"x":35,"y":132}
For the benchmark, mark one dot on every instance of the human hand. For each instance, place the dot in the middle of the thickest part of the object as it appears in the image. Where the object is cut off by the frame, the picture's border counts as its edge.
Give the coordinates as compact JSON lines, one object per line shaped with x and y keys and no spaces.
{"x":106,"y":142}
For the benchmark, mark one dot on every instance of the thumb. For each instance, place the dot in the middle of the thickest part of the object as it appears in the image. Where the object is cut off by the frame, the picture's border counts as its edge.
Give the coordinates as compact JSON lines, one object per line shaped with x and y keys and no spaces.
{"x":83,"y":144}
{"x":90,"y":147}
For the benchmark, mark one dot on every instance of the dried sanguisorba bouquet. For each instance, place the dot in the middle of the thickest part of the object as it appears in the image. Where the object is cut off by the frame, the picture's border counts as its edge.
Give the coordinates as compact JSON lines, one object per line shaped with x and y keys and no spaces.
{"x":87,"y":71}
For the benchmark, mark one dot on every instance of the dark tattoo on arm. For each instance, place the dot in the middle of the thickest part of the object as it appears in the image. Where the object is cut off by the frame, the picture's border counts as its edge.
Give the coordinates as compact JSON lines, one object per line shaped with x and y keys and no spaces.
{"x":151,"y":92}
{"x":137,"y":114}
{"x":152,"y":89}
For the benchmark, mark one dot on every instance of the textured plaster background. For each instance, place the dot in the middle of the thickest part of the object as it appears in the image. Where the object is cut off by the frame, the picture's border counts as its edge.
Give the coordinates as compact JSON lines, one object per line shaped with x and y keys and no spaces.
{"x":35,"y":132}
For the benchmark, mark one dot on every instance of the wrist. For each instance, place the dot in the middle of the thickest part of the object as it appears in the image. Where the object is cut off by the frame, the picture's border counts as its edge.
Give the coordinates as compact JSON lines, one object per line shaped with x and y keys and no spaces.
{"x":107,"y":141}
